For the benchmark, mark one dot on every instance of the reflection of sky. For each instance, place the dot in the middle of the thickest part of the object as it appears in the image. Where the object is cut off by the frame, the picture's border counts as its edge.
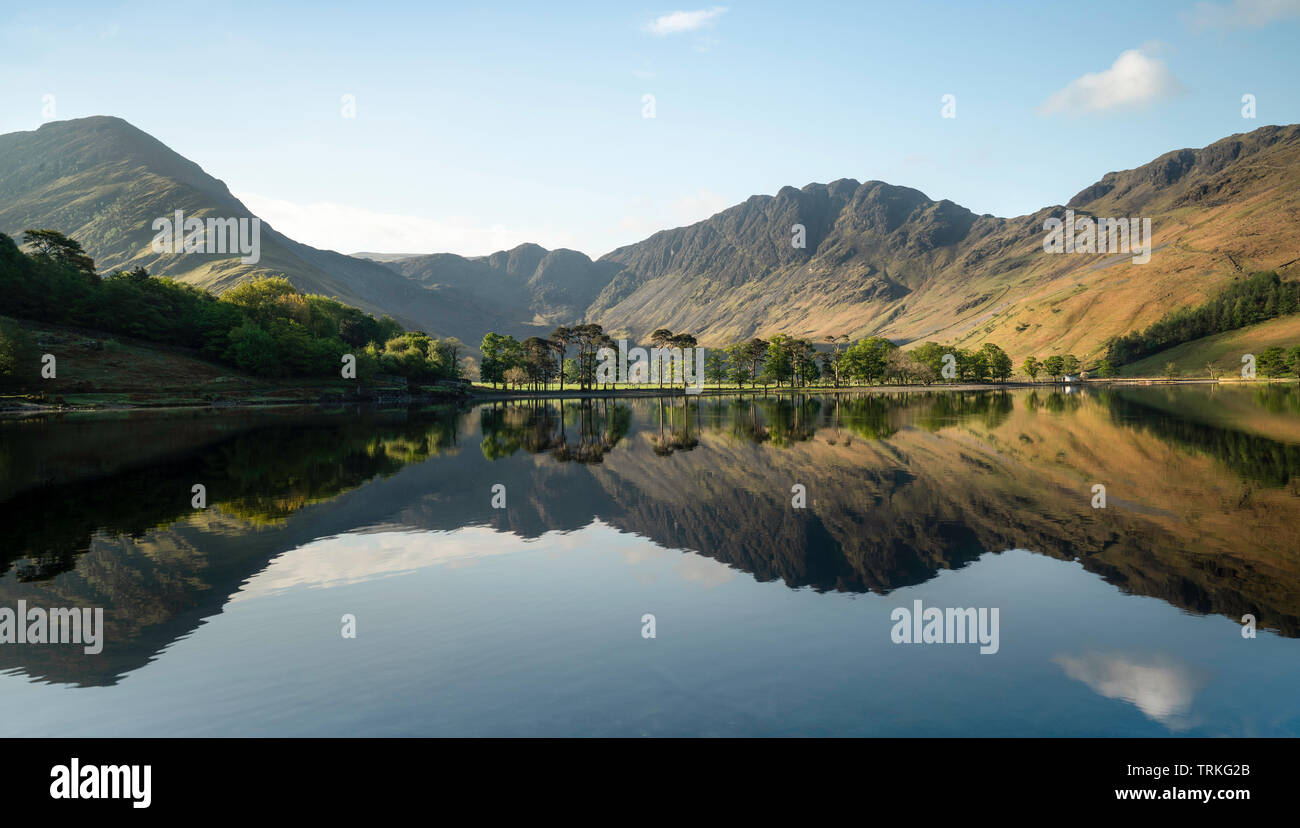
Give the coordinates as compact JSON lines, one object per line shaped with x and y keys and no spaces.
{"x":1159,"y":686}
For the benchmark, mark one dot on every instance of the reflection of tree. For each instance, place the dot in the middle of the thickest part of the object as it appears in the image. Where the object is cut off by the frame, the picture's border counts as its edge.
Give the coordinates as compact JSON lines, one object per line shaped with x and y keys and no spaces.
{"x":678,"y":436}
{"x":746,"y":423}
{"x":943,"y":409}
{"x":539,"y":426}
{"x":601,"y":425}
{"x":498,"y":440}
{"x":872,"y":416}
{"x":833,"y":415}
{"x":1259,"y":458}
{"x":529,"y":424}
{"x":786,"y":420}
{"x":790,"y":419}
{"x":1278,"y":399}
{"x":879,"y":416}
{"x":261,"y":475}
{"x":316,"y":464}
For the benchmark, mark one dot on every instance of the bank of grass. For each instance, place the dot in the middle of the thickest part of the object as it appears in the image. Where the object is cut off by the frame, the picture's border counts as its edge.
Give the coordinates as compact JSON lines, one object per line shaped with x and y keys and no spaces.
{"x":97,"y":370}
{"x":1224,"y":350}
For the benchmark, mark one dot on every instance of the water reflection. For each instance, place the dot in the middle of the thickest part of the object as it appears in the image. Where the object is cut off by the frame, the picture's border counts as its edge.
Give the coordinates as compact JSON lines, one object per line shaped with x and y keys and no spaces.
{"x":901,"y":487}
{"x":1161,"y":687}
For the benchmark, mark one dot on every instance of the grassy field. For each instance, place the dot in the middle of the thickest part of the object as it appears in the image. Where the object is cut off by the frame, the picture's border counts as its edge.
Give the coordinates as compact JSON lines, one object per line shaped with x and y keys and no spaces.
{"x":97,"y":369}
{"x":1224,"y":350}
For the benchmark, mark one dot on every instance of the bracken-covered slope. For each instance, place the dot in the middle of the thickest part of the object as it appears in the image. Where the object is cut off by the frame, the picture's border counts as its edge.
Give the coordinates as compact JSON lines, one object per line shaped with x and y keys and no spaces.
{"x":887,"y":260}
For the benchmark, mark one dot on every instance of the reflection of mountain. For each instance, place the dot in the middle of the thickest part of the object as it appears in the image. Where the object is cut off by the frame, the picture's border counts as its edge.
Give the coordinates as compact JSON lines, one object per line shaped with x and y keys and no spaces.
{"x":242,"y":478}
{"x":1270,"y":462}
{"x":899,"y":487}
{"x":127,"y":538}
{"x":891,"y":513}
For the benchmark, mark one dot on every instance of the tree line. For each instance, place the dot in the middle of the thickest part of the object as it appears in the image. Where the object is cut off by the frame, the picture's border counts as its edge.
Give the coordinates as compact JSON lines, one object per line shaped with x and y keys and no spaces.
{"x":264,"y":326}
{"x":1257,"y":298}
{"x":1058,"y":366}
{"x":780,"y":361}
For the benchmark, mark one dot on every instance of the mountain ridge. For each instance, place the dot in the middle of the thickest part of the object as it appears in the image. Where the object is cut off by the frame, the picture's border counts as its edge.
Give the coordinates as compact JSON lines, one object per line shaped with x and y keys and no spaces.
{"x":887,"y":260}
{"x":103,"y":181}
{"x":879,"y":259}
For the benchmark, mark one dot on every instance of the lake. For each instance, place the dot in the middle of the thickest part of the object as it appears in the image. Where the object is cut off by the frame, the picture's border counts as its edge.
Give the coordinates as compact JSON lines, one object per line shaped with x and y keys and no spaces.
{"x":701,"y":566}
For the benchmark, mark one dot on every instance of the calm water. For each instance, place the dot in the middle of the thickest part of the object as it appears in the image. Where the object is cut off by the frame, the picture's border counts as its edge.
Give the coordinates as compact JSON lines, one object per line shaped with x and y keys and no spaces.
{"x":769,"y":620}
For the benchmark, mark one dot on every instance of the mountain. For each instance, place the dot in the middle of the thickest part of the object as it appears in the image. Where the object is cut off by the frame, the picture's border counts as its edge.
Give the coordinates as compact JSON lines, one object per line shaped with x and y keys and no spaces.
{"x":529,"y":283}
{"x":879,"y":259}
{"x":383,"y":257}
{"x":887,"y":260}
{"x":104,"y":182}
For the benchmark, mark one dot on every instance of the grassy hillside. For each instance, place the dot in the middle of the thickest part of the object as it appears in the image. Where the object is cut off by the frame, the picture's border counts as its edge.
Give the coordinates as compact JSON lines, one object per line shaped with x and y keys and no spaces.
{"x":1224,"y":350}
{"x":95,"y":369}
{"x":889,"y":261}
{"x":104,"y":182}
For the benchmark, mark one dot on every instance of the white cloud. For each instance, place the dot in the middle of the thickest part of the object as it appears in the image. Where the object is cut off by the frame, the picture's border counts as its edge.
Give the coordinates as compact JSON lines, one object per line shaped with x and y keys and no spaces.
{"x":1241,"y":13}
{"x":354,"y":229}
{"x":684,"y":21}
{"x":1133,"y":80}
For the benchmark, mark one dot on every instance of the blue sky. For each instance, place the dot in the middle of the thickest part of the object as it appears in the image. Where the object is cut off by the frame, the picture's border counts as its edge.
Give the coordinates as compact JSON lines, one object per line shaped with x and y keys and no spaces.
{"x":480,"y":126}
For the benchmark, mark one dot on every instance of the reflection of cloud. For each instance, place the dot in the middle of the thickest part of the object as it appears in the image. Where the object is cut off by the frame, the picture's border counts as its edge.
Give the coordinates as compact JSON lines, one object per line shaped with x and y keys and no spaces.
{"x":1134,"y":79}
{"x":1162,"y":689}
{"x":698,"y":569}
{"x":691,"y":567}
{"x":344,"y":560}
{"x":353,"y":559}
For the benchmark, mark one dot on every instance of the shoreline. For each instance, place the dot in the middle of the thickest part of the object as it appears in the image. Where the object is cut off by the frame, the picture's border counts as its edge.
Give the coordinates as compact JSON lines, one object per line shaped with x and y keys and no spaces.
{"x":475,"y":395}
{"x":480,"y":395}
